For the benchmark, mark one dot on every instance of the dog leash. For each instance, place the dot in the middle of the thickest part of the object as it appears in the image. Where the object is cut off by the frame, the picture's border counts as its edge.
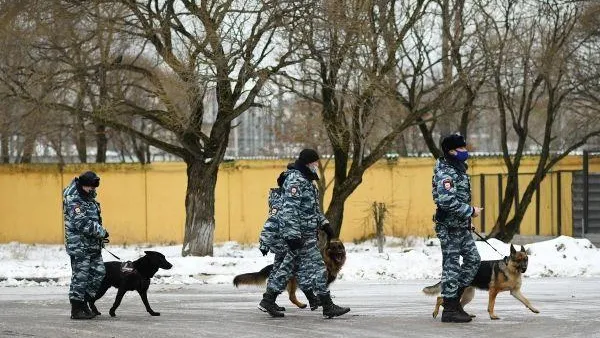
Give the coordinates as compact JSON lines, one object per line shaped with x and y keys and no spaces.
{"x":104,"y":241}
{"x":483,"y":239}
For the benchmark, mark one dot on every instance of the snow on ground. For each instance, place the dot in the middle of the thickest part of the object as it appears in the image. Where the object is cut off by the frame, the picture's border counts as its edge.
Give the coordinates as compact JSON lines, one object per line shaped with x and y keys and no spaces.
{"x":402,"y":258}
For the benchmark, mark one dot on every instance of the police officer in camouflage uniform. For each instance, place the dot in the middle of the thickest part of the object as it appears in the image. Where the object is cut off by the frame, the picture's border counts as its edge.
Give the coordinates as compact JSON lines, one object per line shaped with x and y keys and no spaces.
{"x":271,"y":240}
{"x":300,"y":218}
{"x":451,"y":190}
{"x":84,"y":237}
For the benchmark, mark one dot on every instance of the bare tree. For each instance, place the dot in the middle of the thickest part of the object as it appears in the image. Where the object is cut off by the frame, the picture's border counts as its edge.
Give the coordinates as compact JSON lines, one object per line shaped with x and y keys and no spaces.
{"x":534,"y":59}
{"x":221,"y":50}
{"x":299,"y":126}
{"x":464,"y":69}
{"x":204,"y":63}
{"x":372,"y":71}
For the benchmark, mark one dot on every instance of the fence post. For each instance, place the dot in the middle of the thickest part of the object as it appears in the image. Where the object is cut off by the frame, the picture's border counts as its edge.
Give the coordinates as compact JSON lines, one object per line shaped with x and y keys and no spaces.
{"x":584,"y":219}
{"x":482,"y":198}
{"x":559,"y":204}
{"x":537,"y":210}
{"x":499,"y":191}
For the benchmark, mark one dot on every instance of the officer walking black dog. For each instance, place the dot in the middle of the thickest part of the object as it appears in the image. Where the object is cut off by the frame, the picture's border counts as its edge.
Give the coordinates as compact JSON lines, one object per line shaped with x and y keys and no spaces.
{"x":84,"y":235}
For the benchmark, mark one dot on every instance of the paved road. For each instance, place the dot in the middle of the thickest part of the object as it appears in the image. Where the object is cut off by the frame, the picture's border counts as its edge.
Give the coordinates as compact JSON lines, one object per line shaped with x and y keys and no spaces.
{"x":569,"y":308}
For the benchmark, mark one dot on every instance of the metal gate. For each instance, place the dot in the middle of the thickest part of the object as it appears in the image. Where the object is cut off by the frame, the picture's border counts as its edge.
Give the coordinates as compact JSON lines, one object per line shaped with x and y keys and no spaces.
{"x":592,"y":221}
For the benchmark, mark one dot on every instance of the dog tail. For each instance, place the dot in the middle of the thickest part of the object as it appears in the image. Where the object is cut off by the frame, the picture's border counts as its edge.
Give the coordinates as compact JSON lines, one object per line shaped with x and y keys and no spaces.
{"x":253,"y":278}
{"x":433,"y":290}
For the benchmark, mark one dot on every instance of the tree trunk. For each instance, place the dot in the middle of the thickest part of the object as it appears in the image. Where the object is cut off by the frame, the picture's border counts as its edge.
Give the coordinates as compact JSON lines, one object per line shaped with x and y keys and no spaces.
{"x":341,"y":192}
{"x":148,"y":154}
{"x":101,"y":143}
{"x":80,"y":140}
{"x":139,"y":150}
{"x":446,"y":122}
{"x":505,"y":207}
{"x":402,"y":147}
{"x":200,"y":209}
{"x":335,"y":214}
{"x":507,"y":233}
{"x":335,"y":210}
{"x":427,"y":134}
{"x":56,"y":144}
{"x":28,"y":148}
{"x":379,"y":210}
{"x":4,"y":153}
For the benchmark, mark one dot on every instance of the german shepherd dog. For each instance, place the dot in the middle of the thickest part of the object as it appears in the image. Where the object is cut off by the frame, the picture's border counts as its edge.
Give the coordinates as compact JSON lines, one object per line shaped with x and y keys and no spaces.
{"x":131,"y":276}
{"x":494,"y":276}
{"x":334,"y":257}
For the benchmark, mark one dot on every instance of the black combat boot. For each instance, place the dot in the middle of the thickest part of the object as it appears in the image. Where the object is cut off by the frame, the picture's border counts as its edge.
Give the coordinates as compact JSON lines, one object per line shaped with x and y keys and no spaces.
{"x":86,"y":308}
{"x":313,"y":301}
{"x":77,"y":310}
{"x":267,"y":304}
{"x":451,"y":313}
{"x":459,"y":294}
{"x":279,"y":308}
{"x":330,"y":309}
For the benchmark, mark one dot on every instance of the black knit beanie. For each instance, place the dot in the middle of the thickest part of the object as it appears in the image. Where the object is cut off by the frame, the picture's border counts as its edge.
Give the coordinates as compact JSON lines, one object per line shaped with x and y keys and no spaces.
{"x":308,"y":156}
{"x":89,"y":179}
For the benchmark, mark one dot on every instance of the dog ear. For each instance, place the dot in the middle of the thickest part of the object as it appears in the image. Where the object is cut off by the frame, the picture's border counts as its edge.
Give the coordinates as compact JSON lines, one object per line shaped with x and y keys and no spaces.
{"x":512,"y":249}
{"x":523,"y":248}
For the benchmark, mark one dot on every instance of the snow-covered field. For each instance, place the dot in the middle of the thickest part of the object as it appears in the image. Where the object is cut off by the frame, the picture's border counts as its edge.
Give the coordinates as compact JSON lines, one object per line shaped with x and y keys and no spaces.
{"x":403,"y":258}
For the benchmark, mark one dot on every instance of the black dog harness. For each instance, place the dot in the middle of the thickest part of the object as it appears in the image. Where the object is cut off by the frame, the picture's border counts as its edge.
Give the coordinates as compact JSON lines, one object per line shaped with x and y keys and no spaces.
{"x":127,"y":268}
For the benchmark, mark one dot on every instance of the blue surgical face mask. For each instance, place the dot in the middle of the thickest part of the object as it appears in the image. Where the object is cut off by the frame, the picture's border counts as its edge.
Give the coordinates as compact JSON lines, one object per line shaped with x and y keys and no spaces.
{"x":462,"y":155}
{"x":314,"y":168}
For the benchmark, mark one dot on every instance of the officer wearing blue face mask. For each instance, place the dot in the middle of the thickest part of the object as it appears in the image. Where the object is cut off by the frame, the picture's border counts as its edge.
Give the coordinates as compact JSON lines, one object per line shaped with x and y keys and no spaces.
{"x":451,"y":190}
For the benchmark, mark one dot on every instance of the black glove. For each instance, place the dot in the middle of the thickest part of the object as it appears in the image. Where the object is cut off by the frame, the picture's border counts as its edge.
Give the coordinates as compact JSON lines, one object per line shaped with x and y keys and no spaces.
{"x":264,"y":251}
{"x":294,"y":243}
{"x":328,"y":230}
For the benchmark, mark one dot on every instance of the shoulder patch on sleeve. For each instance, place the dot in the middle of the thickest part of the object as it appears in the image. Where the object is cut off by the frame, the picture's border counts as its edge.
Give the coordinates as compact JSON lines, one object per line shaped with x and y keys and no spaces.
{"x":294,"y":190}
{"x":77,"y":209}
{"x":448,"y":184}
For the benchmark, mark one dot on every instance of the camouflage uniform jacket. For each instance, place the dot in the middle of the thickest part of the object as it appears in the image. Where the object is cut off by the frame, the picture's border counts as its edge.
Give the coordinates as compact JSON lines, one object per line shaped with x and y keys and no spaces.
{"x":300,"y":214}
{"x":451,"y":189}
{"x":270,"y":238}
{"x":83,"y":224}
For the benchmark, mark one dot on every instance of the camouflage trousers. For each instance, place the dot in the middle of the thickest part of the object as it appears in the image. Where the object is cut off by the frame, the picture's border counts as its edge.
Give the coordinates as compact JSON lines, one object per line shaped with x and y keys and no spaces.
{"x":306,"y":264}
{"x":281,"y":251}
{"x":457,"y":242}
{"x":87,"y":274}
{"x":303,"y":283}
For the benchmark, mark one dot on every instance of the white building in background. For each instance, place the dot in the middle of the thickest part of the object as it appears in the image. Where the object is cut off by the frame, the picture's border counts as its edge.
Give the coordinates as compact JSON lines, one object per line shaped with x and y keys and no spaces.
{"x":253,"y":134}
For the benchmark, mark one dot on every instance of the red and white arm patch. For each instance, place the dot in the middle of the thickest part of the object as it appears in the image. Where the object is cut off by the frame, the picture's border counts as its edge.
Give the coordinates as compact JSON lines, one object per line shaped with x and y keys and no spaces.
{"x":77,"y":209}
{"x":448,"y":184}
{"x":294,"y":190}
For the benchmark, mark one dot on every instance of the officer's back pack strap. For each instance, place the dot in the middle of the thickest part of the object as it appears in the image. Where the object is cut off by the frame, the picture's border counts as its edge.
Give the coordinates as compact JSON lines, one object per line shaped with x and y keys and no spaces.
{"x":282,"y":177}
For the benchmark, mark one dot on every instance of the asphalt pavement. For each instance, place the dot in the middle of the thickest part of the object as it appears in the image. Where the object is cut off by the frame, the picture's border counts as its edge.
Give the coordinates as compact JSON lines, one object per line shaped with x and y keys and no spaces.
{"x":569,"y":307}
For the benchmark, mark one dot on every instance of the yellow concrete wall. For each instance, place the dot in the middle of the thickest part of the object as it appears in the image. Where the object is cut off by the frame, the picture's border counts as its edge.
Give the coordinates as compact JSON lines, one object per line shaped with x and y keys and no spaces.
{"x":145,"y":204}
{"x":30,"y":208}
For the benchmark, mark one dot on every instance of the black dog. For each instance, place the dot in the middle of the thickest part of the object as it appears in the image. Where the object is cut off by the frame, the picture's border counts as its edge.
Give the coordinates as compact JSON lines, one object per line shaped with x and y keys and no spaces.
{"x":131,"y":276}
